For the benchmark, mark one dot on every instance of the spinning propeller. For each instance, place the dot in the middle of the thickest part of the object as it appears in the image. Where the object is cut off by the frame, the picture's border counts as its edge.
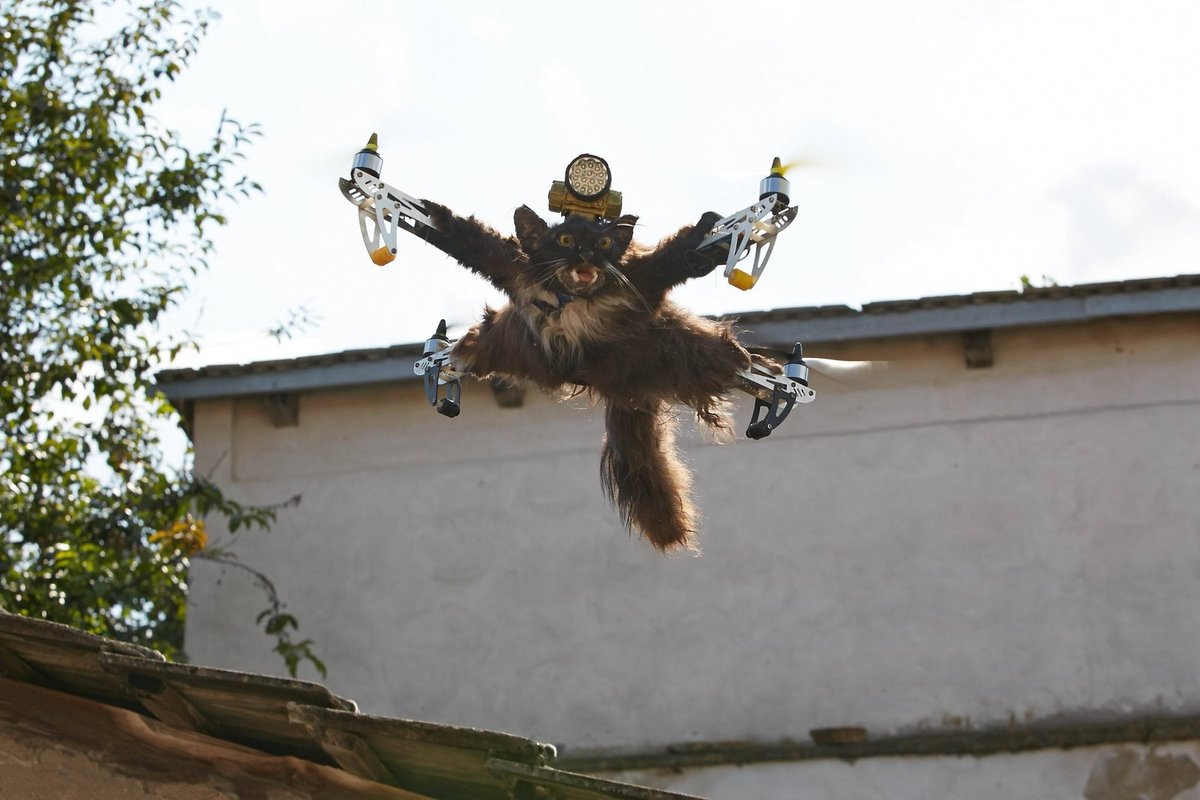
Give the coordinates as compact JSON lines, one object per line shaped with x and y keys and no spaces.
{"x":856,"y":374}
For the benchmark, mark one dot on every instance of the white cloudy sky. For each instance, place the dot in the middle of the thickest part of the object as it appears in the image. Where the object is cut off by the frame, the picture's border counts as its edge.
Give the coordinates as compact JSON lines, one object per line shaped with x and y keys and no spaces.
{"x":959,"y":145}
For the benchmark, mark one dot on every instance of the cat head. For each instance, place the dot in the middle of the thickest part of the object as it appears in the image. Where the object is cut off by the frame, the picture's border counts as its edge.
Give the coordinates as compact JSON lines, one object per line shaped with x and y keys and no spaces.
{"x":577,"y":256}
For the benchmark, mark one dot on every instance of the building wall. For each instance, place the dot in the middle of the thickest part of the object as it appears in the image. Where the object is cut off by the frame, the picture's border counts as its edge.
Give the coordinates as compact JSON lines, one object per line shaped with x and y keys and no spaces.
{"x":939,"y":546}
{"x":1124,"y":772}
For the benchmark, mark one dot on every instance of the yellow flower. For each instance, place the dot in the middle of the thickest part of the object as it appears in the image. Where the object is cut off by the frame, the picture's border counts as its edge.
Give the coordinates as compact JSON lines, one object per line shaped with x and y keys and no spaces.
{"x":187,"y":535}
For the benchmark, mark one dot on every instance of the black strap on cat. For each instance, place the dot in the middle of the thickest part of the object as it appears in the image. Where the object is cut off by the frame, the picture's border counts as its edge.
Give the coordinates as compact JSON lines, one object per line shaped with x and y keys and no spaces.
{"x":562,"y":298}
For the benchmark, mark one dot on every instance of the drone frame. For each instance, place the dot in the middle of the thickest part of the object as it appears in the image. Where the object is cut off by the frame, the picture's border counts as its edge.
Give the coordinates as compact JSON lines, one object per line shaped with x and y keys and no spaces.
{"x":384,"y":210}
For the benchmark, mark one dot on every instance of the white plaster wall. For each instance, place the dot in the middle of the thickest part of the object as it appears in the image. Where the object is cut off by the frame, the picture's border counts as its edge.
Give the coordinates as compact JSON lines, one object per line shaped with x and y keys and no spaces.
{"x":1124,"y":772}
{"x":949,"y":543}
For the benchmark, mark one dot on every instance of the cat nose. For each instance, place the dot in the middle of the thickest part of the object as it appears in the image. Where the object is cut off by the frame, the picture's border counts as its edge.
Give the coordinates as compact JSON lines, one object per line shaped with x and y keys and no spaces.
{"x":586,"y":255}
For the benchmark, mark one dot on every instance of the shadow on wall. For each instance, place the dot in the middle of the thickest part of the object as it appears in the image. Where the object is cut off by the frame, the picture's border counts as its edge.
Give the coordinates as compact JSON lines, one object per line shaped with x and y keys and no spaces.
{"x":1127,"y":774}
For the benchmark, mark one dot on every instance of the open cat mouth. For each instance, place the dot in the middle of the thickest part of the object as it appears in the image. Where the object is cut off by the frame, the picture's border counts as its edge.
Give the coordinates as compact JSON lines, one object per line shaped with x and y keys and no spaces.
{"x":581,"y":279}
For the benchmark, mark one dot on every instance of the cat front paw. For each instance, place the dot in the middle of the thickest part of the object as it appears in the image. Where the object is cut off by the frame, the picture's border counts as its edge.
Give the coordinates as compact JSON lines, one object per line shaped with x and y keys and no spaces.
{"x":701,"y":229}
{"x":706,"y":222}
{"x":701,"y":263}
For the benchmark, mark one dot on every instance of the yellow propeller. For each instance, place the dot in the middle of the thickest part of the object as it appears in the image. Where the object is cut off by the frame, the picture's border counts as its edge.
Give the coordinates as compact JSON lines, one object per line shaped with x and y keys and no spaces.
{"x":782,"y":169}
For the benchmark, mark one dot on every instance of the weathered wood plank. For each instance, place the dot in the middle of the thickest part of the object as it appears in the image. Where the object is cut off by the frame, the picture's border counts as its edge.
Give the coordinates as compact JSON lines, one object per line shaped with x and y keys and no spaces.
{"x":64,"y":658}
{"x":15,"y":667}
{"x":512,"y":748}
{"x":248,"y":709}
{"x":171,"y":707}
{"x":439,"y":760}
{"x":536,"y":783}
{"x":353,"y":754}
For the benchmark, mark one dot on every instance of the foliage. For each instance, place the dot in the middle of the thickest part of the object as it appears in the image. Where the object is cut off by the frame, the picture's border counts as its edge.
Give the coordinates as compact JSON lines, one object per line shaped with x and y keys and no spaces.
{"x":104,"y":216}
{"x":1047,"y":283}
{"x":299,"y":319}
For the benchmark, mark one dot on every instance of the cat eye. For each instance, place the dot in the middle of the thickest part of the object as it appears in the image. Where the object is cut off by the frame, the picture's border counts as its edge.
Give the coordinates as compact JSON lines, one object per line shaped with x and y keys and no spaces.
{"x":566,"y":240}
{"x":604,"y":243}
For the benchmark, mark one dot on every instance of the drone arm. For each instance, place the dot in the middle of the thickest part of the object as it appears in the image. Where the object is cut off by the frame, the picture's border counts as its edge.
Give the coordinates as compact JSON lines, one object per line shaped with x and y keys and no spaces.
{"x":776,"y":391}
{"x":384,"y":210}
{"x":752,"y":229}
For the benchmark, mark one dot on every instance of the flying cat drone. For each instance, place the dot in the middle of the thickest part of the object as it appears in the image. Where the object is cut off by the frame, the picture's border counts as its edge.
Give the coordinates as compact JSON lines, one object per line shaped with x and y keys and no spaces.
{"x":590,"y":310}
{"x":586,"y":190}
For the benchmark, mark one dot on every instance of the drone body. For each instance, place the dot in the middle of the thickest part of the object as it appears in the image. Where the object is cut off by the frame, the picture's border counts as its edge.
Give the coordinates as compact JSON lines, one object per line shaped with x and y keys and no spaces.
{"x":589,"y":311}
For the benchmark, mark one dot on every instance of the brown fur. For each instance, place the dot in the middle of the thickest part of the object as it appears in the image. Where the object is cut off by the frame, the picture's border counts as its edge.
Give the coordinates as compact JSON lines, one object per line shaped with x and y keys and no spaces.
{"x":589,"y":311}
{"x":642,"y":475}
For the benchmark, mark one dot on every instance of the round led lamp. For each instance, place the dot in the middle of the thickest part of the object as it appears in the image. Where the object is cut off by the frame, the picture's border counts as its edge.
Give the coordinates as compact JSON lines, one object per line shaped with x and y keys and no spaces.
{"x":588,"y":177}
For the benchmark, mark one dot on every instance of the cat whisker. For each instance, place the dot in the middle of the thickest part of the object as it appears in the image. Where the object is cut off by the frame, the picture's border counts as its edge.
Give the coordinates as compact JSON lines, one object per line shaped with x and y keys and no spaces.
{"x":620,"y":276}
{"x":542,"y":269}
{"x":551,"y":268}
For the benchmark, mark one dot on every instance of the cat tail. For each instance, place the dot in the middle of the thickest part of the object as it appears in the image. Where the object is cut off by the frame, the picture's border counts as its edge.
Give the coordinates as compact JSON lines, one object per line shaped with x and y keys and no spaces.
{"x":644,"y":477}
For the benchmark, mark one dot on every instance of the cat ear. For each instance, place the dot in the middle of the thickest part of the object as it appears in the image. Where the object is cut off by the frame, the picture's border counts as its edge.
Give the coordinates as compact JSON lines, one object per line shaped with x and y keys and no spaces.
{"x":622,"y":229}
{"x":530,"y":227}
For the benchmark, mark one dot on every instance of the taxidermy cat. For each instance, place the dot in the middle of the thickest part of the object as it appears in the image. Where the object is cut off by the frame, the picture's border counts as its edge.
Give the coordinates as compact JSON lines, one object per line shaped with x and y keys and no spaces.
{"x":589,"y":311}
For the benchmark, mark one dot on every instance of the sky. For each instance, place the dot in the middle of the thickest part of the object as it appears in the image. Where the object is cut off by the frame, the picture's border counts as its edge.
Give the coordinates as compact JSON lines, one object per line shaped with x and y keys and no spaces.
{"x":954,"y":146}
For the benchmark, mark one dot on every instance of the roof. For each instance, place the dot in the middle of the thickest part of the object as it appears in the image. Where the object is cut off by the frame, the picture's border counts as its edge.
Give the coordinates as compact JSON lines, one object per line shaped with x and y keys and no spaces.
{"x":285,"y":717}
{"x":777,"y":328}
{"x":303,"y":720}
